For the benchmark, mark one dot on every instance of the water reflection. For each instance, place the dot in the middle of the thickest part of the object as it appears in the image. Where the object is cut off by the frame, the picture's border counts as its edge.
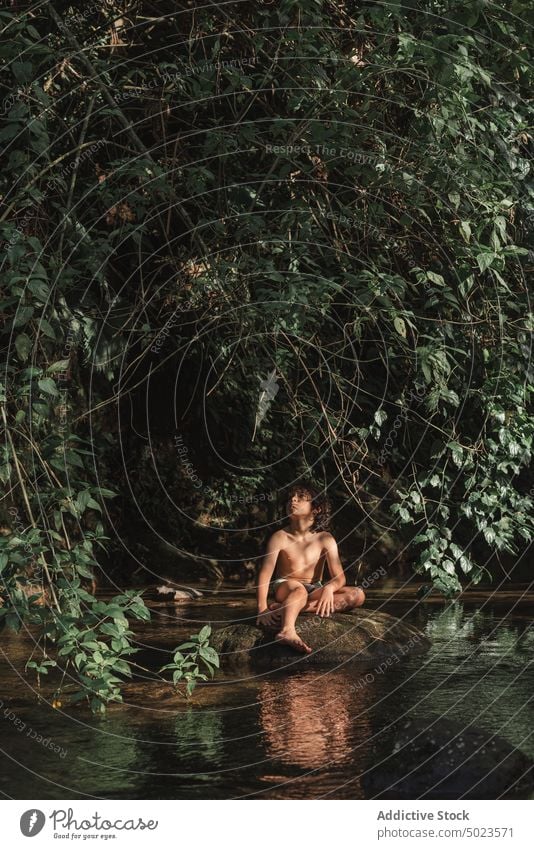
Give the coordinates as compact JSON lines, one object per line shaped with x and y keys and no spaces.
{"x":314,"y":722}
{"x":199,"y":738}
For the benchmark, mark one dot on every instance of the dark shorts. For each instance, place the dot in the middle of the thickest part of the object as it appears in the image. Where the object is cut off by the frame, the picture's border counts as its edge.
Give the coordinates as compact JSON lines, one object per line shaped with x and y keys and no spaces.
{"x":308,"y":587}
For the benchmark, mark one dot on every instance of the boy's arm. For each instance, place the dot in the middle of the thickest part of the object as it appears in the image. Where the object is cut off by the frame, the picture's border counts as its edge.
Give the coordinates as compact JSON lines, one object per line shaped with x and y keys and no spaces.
{"x":267,"y":568}
{"x":337,"y":580}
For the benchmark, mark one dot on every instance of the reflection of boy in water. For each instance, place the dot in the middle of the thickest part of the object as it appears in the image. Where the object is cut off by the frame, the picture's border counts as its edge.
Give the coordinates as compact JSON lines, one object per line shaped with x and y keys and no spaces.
{"x":333,"y":714}
{"x":298,"y":553}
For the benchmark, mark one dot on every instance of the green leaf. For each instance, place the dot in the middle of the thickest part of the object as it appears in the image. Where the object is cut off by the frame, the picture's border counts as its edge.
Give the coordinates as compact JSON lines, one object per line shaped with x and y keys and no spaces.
{"x":466,"y":564}
{"x":140,"y":611}
{"x":400,"y":326}
{"x":94,"y":505}
{"x":110,"y":629}
{"x":380,"y":416}
{"x":489,"y":535}
{"x":123,"y":667}
{"x":41,"y":408}
{"x":85,"y":572}
{"x":10,"y":131}
{"x":209,"y":654}
{"x":39,"y":289}
{"x":23,"y":316}
{"x":22,"y":71}
{"x":456,"y":551}
{"x":454,"y":198}
{"x":48,"y":385}
{"x":23,"y":346}
{"x":188,"y":645}
{"x":485,"y":260}
{"x":5,"y":472}
{"x":77,"y":697}
{"x":46,"y":328}
{"x":435,"y":278}
{"x":59,"y":365}
{"x":83,"y":499}
{"x":465,"y":230}
{"x":457,"y":453}
{"x":64,"y":650}
{"x":14,"y":621}
{"x":448,"y":566}
{"x":204,"y":633}
{"x":73,"y":458}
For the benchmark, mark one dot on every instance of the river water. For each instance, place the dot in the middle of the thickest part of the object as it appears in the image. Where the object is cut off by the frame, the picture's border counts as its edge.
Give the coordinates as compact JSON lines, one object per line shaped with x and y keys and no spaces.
{"x":295,"y":734}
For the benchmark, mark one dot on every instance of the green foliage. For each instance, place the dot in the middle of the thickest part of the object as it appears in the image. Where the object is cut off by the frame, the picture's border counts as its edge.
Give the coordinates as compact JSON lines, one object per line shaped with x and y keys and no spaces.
{"x":95,"y":644}
{"x":192,"y":656}
{"x":342,"y":197}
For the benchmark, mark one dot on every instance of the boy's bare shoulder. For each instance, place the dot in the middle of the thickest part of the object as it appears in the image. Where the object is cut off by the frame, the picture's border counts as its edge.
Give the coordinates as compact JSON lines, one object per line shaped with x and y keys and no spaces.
{"x":326,"y":538}
{"x":278,"y":537}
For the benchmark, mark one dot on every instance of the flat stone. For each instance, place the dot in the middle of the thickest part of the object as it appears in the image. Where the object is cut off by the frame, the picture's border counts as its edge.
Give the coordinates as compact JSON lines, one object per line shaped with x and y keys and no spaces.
{"x":438,"y":758}
{"x":173,"y":593}
{"x":362,"y":635}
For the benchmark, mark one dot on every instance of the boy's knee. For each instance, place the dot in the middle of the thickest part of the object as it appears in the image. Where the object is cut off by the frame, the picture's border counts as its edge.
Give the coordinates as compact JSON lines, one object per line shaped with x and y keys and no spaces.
{"x":290,"y":588}
{"x":298,"y":590}
{"x":357,"y":596}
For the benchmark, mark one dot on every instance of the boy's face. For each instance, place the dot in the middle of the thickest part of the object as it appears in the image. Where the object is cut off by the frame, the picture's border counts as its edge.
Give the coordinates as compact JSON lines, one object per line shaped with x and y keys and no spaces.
{"x":300,"y":504}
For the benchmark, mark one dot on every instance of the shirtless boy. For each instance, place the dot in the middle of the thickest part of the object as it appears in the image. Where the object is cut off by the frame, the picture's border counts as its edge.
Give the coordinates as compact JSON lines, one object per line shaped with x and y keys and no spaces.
{"x":298,"y":553}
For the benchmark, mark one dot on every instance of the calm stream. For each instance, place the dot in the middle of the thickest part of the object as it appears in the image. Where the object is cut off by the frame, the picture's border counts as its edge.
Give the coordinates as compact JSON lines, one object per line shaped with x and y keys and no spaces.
{"x":296,"y":734}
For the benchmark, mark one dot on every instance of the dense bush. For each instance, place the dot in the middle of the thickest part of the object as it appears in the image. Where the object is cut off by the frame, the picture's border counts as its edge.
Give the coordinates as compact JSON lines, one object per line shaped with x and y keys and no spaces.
{"x":282,"y":238}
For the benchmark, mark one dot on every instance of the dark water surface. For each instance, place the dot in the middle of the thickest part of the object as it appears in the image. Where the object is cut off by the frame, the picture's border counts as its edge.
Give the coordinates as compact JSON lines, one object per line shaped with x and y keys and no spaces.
{"x":295,"y":734}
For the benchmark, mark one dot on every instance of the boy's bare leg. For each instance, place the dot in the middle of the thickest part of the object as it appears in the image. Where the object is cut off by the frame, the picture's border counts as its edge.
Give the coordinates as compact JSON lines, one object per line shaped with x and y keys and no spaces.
{"x":345,"y":599}
{"x":292,"y":597}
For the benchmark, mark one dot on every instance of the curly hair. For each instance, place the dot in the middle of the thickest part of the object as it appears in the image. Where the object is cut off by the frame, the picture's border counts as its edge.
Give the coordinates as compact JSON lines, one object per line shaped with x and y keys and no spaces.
{"x":319,"y":500}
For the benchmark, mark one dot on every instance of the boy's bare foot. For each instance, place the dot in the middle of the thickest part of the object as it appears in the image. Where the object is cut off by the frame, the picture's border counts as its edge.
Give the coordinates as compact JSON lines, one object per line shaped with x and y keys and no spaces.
{"x":269,"y":620}
{"x":292,"y":639}
{"x":275,"y":619}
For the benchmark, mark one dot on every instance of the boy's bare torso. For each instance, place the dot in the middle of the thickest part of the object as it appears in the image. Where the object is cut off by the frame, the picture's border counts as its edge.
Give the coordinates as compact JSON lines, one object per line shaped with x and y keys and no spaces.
{"x":303,"y":558}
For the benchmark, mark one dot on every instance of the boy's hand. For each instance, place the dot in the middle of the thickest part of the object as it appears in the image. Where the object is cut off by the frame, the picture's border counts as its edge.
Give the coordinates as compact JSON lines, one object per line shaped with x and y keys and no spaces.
{"x":325,"y":606}
{"x":268,"y":619}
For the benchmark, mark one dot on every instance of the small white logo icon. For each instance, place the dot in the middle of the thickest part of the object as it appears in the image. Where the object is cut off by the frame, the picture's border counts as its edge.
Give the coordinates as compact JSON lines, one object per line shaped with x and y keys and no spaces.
{"x":269,"y":389}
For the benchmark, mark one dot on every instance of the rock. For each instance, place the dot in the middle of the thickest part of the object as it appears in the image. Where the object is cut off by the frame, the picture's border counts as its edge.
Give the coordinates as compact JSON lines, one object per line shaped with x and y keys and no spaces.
{"x":436,"y":758}
{"x":172,"y":594}
{"x":359,"y":635}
